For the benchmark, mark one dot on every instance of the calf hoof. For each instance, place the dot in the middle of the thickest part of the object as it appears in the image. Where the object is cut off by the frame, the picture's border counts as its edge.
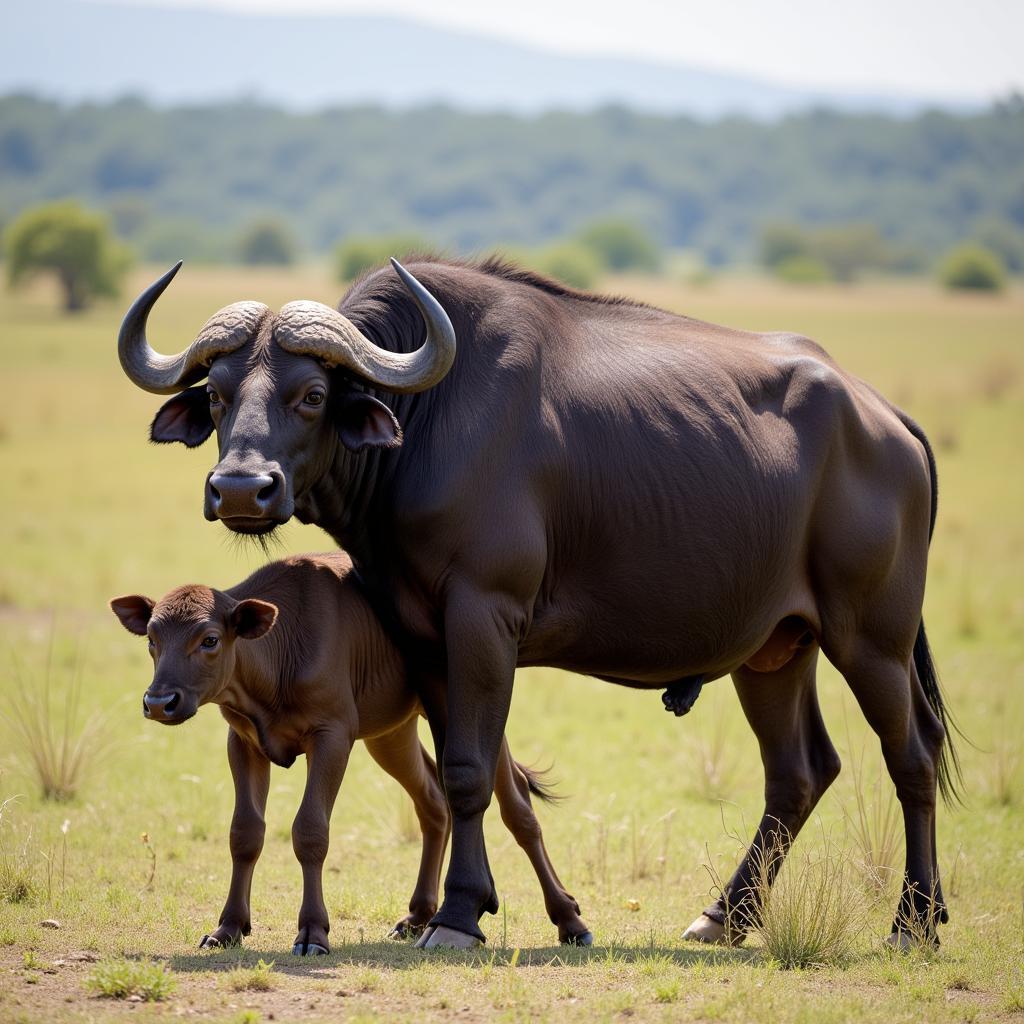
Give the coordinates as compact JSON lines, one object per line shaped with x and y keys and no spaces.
{"x":222,"y":938}
{"x":440,"y":936}
{"x":707,"y":929}
{"x":406,"y":929}
{"x":309,"y":949}
{"x":583,"y":939}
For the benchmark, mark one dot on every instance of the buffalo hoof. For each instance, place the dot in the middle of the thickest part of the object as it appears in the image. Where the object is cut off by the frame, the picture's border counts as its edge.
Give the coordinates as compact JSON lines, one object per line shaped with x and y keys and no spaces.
{"x":441,"y":936}
{"x":309,"y":949}
{"x":216,"y":941}
{"x":406,"y":929}
{"x":906,"y":941}
{"x":583,"y":939}
{"x":707,"y":929}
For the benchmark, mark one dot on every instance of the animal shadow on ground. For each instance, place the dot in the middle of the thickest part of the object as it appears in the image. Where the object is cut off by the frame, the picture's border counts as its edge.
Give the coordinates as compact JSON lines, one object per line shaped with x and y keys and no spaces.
{"x":400,"y":956}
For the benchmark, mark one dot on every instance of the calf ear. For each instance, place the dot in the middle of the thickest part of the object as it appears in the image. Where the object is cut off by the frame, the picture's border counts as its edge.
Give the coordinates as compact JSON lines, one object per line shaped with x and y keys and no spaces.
{"x":363,"y":422}
{"x":251,"y":619}
{"x":134,"y":611}
{"x":185,"y":418}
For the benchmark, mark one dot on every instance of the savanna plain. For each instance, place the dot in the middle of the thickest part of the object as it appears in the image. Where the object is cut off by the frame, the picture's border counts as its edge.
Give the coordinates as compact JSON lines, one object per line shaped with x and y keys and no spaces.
{"x":133,"y":866}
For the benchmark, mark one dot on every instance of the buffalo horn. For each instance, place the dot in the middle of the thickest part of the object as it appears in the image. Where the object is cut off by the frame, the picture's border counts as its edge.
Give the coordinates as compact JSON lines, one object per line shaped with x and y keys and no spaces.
{"x":313,"y":329}
{"x":225,"y":331}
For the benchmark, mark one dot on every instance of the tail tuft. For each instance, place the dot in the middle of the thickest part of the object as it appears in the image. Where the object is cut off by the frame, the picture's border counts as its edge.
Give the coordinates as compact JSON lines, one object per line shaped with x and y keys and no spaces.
{"x":950,"y":775}
{"x":540,"y":786}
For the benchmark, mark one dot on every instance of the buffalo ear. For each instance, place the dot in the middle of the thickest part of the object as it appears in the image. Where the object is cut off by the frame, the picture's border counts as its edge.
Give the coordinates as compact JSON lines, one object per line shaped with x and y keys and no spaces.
{"x":185,"y":418}
{"x":363,"y":422}
{"x":250,"y":619}
{"x":134,"y":611}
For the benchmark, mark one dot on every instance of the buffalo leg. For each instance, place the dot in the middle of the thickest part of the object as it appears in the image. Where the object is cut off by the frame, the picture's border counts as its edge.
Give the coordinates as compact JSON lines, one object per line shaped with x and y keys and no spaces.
{"x":325,"y":769}
{"x":512,"y":789}
{"x":481,"y":666}
{"x":800,"y":763}
{"x":402,"y":756}
{"x":250,"y":771}
{"x":890,"y":694}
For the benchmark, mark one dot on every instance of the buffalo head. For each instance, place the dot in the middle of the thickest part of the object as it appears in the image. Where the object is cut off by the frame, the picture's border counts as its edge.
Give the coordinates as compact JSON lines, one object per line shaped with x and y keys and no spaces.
{"x":192,"y":634}
{"x":283,"y":390}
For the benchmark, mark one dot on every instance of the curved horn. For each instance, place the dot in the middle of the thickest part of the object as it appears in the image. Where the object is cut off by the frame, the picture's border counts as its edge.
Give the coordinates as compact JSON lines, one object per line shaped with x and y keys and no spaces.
{"x":313,"y":329}
{"x":225,"y":331}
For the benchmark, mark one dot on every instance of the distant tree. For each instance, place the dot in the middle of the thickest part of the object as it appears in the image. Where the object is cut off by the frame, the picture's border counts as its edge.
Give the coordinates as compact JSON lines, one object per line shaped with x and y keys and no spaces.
{"x":71,"y":242}
{"x":620,"y":245}
{"x":571,"y":263}
{"x":972,"y":266}
{"x":361,"y":253}
{"x":849,"y":249}
{"x":267,"y":243}
{"x":781,"y":242}
{"x":1006,"y":240}
{"x":802,"y":270}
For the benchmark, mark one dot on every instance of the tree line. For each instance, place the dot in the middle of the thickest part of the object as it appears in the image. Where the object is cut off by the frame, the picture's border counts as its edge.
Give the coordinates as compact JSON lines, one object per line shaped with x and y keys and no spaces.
{"x":193,"y":181}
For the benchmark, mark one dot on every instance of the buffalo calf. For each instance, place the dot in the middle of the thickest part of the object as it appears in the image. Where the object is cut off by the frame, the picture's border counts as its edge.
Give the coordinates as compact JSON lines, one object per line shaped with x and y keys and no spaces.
{"x":315,"y":672}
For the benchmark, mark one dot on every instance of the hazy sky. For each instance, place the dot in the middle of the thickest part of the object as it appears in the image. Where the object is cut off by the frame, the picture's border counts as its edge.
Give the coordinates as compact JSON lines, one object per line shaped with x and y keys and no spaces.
{"x":941,"y":48}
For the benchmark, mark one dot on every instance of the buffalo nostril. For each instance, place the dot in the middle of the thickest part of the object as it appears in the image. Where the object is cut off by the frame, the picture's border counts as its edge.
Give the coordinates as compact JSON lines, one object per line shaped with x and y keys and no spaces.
{"x":214,"y":493}
{"x":266,"y":494}
{"x":172,"y":703}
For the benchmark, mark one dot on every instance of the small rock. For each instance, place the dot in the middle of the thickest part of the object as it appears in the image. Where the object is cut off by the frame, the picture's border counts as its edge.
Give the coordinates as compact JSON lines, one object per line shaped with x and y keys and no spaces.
{"x":633,"y":905}
{"x":49,"y":923}
{"x":135,"y":999}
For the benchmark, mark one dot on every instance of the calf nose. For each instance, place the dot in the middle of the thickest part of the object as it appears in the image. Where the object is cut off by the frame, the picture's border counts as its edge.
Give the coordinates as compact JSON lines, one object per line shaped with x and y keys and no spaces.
{"x":160,"y":707}
{"x":256,"y":496}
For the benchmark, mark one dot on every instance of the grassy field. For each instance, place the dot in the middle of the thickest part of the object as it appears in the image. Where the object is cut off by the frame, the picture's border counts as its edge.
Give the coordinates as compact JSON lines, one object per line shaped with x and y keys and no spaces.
{"x":654,"y":804}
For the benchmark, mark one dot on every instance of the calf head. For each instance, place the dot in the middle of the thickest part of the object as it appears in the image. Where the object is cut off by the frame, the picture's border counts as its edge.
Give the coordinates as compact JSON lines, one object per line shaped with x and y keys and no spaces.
{"x":283,"y":391}
{"x":192,"y":634}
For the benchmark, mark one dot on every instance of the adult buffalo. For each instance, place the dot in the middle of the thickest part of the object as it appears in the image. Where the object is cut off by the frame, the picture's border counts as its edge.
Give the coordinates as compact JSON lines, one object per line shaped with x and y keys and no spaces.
{"x":596,"y":485}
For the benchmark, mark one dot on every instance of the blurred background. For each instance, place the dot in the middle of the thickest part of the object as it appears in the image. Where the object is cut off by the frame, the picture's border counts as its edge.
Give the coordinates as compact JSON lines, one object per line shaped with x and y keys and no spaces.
{"x":813,"y":145}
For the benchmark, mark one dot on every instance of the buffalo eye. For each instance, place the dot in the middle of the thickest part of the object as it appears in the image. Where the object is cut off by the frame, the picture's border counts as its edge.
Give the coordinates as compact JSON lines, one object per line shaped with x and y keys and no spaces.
{"x":213,"y":396}
{"x":209,"y":642}
{"x":314,"y":397}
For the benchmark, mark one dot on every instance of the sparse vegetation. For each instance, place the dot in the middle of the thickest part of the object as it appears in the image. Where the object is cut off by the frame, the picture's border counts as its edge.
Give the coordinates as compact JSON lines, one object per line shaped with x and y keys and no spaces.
{"x":123,"y":978}
{"x":61,"y":749}
{"x":257,"y":978}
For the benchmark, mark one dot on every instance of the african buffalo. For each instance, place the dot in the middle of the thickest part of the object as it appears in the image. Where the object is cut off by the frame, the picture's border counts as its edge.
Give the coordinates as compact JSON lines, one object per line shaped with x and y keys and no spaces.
{"x":596,"y":485}
{"x":324,"y":676}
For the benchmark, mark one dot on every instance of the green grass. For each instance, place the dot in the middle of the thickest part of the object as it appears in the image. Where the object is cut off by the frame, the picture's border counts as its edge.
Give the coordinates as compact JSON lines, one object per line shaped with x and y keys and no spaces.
{"x":121,"y":979}
{"x":91,"y":510}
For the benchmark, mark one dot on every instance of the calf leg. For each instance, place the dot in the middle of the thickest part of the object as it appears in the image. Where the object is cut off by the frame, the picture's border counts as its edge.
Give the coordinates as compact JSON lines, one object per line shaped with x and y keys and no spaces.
{"x":800,"y":763}
{"x":512,"y":788}
{"x":325,"y":769}
{"x":402,"y":756}
{"x":250,"y":771}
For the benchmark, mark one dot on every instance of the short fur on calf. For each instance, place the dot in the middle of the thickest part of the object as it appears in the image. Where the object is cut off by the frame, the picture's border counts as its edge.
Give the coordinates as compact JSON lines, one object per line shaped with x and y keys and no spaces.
{"x":314,"y":672}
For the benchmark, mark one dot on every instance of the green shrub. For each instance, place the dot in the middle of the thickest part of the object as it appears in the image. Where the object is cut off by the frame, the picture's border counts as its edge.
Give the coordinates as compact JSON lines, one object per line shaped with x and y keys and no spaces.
{"x":571,"y":263}
{"x":359,"y":254}
{"x":802,"y":270}
{"x":619,"y":245}
{"x":267,"y":243}
{"x":119,"y":979}
{"x":972,"y":266}
{"x":780,"y":243}
{"x":75,"y":244}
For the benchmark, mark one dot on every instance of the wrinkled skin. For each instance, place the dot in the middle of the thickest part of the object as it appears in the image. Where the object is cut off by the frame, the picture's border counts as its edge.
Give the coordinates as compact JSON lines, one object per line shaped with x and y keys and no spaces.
{"x":298,"y":664}
{"x":617,"y":491}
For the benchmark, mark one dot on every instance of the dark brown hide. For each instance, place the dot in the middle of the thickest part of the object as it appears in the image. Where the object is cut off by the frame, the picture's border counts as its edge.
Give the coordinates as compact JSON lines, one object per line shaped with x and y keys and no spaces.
{"x":619,"y":491}
{"x":299,"y":664}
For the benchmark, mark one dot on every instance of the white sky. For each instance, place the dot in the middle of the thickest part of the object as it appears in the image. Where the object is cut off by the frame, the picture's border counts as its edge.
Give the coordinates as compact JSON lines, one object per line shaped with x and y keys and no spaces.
{"x":939,"y":48}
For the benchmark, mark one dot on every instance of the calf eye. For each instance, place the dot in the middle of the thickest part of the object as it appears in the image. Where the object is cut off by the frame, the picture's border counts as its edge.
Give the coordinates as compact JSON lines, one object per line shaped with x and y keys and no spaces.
{"x":209,"y":642}
{"x":213,"y":396}
{"x":315,"y":397}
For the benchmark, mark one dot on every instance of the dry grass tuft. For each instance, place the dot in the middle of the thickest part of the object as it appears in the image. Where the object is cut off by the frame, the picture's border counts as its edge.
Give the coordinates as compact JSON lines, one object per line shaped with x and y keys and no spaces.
{"x":60,"y":752}
{"x":121,"y":979}
{"x":17,"y":875}
{"x":258,"y":978}
{"x":810,"y":917}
